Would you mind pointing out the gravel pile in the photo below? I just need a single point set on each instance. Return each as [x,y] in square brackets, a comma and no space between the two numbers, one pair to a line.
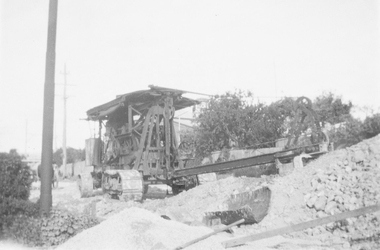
[136,228]
[190,206]
[348,182]
[336,182]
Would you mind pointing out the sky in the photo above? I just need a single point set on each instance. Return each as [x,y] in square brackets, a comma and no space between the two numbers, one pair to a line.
[272,48]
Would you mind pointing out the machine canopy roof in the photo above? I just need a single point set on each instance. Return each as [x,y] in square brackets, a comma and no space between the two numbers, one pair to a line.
[141,101]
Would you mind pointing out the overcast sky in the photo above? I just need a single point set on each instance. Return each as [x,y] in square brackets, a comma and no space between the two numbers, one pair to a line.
[272,48]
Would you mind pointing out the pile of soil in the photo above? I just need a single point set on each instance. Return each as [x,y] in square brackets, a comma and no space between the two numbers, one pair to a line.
[336,182]
[136,228]
[190,206]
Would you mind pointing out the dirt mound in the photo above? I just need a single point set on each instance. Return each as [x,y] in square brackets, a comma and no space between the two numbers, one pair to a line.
[190,206]
[136,228]
[336,182]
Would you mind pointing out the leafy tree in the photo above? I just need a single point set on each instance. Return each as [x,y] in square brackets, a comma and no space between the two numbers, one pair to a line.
[347,134]
[371,126]
[232,120]
[330,108]
[352,131]
[13,155]
[73,155]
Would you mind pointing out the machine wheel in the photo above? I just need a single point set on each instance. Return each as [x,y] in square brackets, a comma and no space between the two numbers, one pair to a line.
[127,184]
[85,185]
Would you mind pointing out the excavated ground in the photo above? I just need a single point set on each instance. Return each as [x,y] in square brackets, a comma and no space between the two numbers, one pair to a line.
[336,182]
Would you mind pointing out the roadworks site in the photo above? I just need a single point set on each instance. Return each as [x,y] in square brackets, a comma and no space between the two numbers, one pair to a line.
[337,182]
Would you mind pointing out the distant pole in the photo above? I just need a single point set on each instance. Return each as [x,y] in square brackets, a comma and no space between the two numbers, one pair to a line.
[48,115]
[26,137]
[64,119]
[275,79]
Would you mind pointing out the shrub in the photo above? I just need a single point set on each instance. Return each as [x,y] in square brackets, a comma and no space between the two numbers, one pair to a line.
[11,208]
[15,182]
[15,178]
[20,219]
[50,230]
[25,230]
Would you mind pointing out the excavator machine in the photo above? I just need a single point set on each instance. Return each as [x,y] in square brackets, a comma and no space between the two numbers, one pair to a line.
[139,145]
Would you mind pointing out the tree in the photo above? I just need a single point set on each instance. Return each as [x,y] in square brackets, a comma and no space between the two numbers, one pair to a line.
[13,155]
[73,155]
[371,126]
[232,120]
[330,108]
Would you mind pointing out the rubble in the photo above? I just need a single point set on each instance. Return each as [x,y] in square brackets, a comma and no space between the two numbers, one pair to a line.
[350,179]
[190,206]
[136,228]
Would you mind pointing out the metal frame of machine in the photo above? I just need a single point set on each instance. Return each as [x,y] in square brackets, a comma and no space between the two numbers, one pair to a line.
[139,139]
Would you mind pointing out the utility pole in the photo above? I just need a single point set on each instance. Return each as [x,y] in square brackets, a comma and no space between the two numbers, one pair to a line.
[26,137]
[64,118]
[48,112]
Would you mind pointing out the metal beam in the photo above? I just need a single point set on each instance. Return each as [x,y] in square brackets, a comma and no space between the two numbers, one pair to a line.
[227,165]
[247,162]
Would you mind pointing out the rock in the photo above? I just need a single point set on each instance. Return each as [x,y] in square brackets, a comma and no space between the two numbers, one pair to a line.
[321,214]
[310,203]
[320,203]
[346,198]
[339,178]
[358,156]
[320,186]
[353,200]
[321,193]
[330,206]
[339,199]
[314,183]
[307,197]
[352,207]
[346,245]
[330,197]
[332,177]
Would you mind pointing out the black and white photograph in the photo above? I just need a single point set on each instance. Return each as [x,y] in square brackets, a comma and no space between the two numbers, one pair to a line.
[189,124]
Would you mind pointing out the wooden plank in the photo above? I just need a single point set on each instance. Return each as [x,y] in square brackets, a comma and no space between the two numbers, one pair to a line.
[208,235]
[301,226]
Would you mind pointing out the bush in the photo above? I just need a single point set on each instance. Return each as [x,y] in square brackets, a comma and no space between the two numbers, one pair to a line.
[15,178]
[15,182]
[20,219]
[50,230]
[353,131]
[25,230]
[11,208]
